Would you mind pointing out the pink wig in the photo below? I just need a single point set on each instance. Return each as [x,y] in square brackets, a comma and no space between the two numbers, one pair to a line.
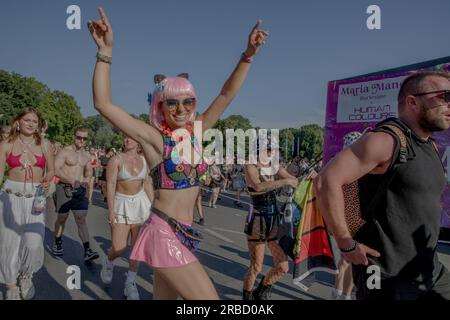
[170,88]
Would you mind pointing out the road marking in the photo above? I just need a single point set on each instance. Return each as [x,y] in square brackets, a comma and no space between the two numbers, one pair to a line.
[101,294]
[226,230]
[218,235]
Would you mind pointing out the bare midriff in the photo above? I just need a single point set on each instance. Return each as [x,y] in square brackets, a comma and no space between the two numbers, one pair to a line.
[178,204]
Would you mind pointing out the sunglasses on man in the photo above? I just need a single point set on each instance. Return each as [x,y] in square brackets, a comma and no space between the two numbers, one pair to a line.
[445,94]
[172,104]
[81,138]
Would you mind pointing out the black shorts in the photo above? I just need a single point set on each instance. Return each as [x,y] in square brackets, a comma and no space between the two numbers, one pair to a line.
[69,198]
[216,183]
[102,176]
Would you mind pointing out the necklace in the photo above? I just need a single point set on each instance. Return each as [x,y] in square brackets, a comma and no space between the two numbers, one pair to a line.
[26,144]
[134,164]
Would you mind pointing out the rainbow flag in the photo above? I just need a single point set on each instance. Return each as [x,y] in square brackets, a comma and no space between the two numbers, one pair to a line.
[312,250]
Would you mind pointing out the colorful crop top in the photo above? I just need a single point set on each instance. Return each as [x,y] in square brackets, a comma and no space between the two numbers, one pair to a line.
[172,173]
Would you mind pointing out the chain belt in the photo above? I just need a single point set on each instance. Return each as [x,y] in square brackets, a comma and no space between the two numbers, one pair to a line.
[18,194]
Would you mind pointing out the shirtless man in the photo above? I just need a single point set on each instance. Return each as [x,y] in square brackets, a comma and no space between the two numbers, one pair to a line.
[73,166]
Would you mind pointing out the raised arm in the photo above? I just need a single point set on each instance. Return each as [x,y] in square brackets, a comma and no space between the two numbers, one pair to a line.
[369,152]
[138,130]
[235,81]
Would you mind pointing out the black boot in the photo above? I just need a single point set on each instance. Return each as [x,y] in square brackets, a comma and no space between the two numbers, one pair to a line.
[247,295]
[262,292]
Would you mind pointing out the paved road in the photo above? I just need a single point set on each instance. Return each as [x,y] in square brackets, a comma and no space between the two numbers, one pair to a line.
[223,253]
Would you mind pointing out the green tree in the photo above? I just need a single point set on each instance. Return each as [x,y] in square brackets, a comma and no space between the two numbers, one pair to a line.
[59,109]
[287,138]
[311,141]
[143,117]
[233,122]
[102,133]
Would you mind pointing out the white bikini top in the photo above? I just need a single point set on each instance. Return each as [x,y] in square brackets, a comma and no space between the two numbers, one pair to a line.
[124,175]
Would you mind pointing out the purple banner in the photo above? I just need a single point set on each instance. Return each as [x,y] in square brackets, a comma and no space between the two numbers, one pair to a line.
[356,104]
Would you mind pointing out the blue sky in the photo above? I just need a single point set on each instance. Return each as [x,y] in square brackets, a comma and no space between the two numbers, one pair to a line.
[310,43]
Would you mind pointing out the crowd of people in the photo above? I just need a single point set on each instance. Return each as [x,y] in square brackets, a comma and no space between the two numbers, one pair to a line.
[151,191]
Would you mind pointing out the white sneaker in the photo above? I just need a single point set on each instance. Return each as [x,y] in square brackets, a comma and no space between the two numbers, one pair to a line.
[131,291]
[335,295]
[26,286]
[107,272]
[13,294]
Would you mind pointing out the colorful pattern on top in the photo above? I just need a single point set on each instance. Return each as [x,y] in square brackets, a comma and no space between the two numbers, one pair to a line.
[172,173]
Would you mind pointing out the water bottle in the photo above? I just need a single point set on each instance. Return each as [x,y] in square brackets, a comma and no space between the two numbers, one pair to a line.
[287,214]
[40,199]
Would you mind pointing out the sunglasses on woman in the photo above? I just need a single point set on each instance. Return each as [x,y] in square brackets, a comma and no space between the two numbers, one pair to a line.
[172,104]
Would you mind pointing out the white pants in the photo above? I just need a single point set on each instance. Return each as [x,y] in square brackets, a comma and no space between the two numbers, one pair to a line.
[132,209]
[21,233]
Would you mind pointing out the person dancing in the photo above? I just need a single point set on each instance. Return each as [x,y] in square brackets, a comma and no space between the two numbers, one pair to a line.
[177,271]
[129,200]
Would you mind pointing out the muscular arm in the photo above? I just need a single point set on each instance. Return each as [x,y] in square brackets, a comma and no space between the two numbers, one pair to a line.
[87,172]
[370,151]
[252,180]
[282,173]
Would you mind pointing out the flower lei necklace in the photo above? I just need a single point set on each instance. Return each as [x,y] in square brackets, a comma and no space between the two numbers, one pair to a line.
[169,133]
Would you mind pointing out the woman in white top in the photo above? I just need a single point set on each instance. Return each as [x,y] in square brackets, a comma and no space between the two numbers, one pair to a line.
[129,195]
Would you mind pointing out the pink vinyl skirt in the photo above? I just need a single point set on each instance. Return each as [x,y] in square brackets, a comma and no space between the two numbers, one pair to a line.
[159,247]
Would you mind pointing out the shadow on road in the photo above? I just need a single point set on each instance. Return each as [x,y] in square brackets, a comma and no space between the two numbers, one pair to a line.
[242,270]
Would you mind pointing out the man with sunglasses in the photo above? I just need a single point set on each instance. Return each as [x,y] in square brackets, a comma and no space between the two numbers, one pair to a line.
[401,179]
[73,166]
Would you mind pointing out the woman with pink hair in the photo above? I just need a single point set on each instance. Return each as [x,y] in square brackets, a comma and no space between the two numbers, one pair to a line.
[166,240]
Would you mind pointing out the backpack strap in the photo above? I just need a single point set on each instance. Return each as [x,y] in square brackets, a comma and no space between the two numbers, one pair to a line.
[401,136]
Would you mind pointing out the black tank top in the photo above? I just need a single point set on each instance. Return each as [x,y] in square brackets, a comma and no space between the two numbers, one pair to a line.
[404,224]
[265,201]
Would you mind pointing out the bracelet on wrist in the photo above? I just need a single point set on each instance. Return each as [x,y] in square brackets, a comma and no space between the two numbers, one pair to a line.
[351,248]
[104,58]
[246,59]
